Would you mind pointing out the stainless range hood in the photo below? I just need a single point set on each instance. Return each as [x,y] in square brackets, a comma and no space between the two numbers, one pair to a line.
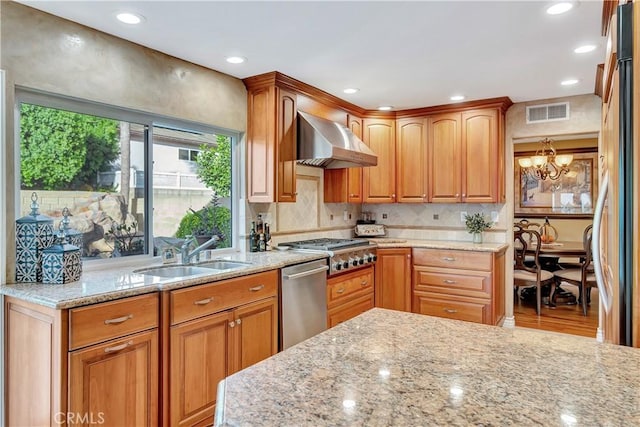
[330,145]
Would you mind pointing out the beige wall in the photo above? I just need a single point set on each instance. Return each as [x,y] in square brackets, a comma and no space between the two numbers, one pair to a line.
[584,121]
[44,52]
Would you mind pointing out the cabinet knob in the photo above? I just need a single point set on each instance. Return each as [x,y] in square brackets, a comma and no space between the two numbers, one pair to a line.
[393,196]
[457,194]
[464,195]
[239,321]
[424,196]
[352,195]
[232,324]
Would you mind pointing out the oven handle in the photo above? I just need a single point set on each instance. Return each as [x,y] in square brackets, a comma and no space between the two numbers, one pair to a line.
[306,273]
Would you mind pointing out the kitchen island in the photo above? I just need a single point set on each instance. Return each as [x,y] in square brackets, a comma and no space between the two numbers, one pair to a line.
[387,368]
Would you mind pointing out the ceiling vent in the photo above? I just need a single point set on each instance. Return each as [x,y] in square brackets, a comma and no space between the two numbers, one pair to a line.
[548,112]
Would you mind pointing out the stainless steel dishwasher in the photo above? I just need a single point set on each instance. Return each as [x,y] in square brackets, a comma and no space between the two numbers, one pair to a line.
[303,302]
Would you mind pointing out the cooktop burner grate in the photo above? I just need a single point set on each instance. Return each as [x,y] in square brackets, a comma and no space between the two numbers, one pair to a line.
[327,244]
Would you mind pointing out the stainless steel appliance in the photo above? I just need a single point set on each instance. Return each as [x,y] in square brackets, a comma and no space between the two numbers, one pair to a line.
[330,145]
[344,254]
[303,302]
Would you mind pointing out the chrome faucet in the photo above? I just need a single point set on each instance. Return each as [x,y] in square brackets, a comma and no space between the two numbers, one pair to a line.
[190,240]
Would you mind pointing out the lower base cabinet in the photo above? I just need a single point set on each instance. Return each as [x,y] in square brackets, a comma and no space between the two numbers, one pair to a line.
[115,383]
[349,294]
[204,350]
[457,284]
[148,360]
[393,279]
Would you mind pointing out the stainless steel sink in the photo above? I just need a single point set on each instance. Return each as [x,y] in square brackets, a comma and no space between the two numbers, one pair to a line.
[175,271]
[223,264]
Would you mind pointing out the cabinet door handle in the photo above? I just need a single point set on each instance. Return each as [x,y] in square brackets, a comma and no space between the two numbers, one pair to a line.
[203,301]
[238,321]
[450,282]
[232,324]
[464,195]
[256,288]
[339,291]
[364,283]
[450,310]
[393,196]
[118,320]
[424,196]
[118,347]
[448,259]
[457,194]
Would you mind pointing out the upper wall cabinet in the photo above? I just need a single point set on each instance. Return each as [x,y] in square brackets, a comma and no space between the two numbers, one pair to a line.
[271,145]
[345,185]
[379,182]
[466,156]
[411,151]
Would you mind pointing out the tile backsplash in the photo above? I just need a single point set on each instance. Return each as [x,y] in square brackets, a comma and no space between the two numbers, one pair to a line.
[309,217]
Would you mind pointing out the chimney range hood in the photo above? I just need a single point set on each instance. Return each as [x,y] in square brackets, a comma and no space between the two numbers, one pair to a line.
[330,145]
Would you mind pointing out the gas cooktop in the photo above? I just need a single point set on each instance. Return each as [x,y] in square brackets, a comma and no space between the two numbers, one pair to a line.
[327,244]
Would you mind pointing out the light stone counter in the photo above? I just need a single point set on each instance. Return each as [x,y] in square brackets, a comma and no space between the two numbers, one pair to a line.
[105,285]
[438,244]
[389,368]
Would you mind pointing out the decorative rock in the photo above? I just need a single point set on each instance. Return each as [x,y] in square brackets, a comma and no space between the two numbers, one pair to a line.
[34,233]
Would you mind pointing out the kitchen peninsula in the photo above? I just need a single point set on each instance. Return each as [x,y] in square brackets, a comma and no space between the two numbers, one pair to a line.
[392,368]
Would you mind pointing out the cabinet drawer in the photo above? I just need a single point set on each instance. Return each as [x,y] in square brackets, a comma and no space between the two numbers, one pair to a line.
[349,286]
[469,309]
[100,322]
[349,310]
[198,301]
[467,260]
[456,282]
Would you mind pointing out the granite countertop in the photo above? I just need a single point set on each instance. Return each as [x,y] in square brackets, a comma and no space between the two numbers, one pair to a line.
[106,285]
[438,244]
[387,368]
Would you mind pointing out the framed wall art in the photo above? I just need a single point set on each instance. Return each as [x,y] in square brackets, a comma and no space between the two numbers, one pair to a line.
[572,195]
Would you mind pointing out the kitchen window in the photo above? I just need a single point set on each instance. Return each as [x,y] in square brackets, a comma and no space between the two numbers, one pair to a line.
[188,155]
[116,171]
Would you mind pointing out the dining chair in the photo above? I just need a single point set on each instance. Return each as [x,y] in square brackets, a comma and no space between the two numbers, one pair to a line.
[547,262]
[526,244]
[583,277]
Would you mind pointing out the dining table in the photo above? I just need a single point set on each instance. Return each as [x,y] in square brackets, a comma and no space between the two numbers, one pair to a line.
[553,252]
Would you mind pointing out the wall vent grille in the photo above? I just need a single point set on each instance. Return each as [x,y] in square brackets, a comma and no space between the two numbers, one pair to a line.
[548,112]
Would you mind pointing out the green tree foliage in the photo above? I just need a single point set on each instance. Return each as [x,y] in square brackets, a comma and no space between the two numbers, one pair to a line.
[61,150]
[214,166]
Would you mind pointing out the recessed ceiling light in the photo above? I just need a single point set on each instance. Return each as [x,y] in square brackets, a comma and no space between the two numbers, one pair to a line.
[457,97]
[385,108]
[236,59]
[129,18]
[351,90]
[560,7]
[585,49]
[569,82]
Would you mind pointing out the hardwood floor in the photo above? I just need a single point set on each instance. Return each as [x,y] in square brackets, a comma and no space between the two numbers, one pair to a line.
[566,319]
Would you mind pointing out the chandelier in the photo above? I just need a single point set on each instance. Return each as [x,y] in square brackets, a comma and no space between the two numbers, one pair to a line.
[546,163]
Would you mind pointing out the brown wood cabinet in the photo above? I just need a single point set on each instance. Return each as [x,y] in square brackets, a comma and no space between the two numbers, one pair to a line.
[466,156]
[411,150]
[457,284]
[271,144]
[57,373]
[393,279]
[116,383]
[345,185]
[349,294]
[379,182]
[218,329]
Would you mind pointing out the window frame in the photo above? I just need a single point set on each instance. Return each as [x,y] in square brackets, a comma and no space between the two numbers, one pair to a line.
[149,120]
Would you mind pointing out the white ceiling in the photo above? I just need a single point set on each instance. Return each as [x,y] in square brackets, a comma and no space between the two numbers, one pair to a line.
[404,54]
